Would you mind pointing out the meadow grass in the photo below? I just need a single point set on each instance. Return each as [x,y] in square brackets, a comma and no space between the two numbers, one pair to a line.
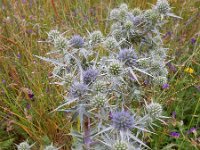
[27,97]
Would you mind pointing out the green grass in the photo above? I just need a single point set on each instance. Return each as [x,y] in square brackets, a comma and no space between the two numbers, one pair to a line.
[23,24]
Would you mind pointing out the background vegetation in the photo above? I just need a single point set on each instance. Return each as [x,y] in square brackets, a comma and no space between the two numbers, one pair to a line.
[27,97]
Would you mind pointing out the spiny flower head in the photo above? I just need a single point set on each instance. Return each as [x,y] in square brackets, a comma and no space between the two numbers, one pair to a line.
[77,41]
[122,15]
[52,35]
[96,37]
[122,120]
[60,43]
[128,56]
[114,14]
[128,25]
[78,89]
[151,15]
[120,145]
[100,86]
[110,43]
[98,101]
[24,146]
[136,11]
[115,68]
[154,110]
[123,6]
[117,34]
[89,75]
[163,6]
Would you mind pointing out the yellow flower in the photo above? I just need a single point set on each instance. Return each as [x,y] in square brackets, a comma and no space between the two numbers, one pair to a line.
[189,70]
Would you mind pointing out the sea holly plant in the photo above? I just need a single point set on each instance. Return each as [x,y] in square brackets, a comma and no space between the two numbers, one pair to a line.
[103,91]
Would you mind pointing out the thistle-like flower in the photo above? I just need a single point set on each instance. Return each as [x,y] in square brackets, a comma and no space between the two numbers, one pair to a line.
[98,101]
[78,89]
[136,11]
[77,41]
[60,43]
[117,34]
[162,6]
[122,120]
[110,43]
[96,37]
[151,16]
[100,86]
[122,15]
[115,68]
[90,75]
[154,110]
[128,25]
[114,14]
[52,35]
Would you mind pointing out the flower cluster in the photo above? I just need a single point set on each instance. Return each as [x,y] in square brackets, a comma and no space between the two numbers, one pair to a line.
[101,88]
